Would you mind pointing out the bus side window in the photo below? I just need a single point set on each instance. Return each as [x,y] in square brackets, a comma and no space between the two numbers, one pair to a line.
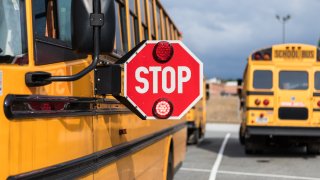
[52,19]
[121,40]
[52,29]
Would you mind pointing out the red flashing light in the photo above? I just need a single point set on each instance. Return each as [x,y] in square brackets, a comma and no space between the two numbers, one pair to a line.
[162,52]
[257,56]
[162,108]
[318,103]
[47,106]
[261,115]
[266,102]
[257,102]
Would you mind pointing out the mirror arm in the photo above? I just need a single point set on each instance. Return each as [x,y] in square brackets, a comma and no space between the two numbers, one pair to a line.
[34,79]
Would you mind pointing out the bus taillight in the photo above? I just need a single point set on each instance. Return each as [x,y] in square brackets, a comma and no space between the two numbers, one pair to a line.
[257,102]
[266,102]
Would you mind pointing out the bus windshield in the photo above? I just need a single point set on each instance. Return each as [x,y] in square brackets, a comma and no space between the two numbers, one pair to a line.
[10,30]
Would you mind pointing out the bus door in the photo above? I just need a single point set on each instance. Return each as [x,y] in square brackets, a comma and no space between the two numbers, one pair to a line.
[294,97]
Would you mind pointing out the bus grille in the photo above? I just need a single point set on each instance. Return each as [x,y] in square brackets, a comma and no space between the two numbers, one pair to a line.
[286,113]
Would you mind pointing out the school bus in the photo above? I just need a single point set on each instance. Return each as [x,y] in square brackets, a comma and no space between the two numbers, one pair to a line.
[197,118]
[281,98]
[53,124]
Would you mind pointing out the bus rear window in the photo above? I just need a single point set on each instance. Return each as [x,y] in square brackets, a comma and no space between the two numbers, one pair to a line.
[262,79]
[293,80]
[317,80]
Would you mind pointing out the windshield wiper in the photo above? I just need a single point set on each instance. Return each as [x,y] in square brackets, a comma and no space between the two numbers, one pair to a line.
[1,51]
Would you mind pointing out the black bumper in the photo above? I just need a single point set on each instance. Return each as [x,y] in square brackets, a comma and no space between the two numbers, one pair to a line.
[283,131]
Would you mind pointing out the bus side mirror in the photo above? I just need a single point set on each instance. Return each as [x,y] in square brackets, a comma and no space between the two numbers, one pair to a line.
[207,91]
[83,20]
[240,87]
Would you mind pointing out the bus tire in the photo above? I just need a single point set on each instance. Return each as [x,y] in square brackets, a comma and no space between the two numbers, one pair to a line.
[170,168]
[241,136]
[313,148]
[249,148]
[195,136]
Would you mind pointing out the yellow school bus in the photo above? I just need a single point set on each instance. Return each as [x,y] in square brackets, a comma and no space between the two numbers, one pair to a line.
[281,98]
[197,119]
[53,123]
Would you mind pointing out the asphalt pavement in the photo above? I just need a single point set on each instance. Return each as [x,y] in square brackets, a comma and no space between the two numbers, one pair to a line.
[220,156]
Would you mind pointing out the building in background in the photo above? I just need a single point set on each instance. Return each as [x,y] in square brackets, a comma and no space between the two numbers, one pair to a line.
[219,87]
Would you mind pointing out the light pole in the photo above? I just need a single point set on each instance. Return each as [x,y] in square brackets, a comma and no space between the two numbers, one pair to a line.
[283,20]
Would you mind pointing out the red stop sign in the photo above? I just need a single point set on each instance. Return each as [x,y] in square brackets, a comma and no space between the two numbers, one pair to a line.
[163,79]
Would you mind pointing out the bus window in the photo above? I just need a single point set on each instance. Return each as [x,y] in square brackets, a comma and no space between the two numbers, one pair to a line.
[290,80]
[317,80]
[52,20]
[11,31]
[262,79]
[121,40]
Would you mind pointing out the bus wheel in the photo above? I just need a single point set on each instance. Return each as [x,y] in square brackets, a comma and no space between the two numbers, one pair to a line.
[241,136]
[170,171]
[249,148]
[194,137]
[313,148]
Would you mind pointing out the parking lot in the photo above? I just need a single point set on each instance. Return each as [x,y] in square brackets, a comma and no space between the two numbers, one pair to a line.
[220,156]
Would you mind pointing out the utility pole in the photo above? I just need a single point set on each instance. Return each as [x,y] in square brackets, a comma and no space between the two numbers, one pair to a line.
[283,20]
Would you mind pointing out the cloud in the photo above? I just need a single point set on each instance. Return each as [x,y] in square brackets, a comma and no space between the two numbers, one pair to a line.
[224,32]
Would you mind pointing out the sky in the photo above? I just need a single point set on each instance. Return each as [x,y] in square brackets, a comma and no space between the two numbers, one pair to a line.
[222,33]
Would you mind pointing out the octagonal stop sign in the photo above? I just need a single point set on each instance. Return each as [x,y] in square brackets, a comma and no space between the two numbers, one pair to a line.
[162,79]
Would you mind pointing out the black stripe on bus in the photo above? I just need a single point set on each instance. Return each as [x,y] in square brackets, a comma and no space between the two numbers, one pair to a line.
[316,110]
[20,106]
[316,94]
[259,108]
[90,163]
[259,93]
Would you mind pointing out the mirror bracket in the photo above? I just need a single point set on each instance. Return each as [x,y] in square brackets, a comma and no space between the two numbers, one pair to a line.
[96,19]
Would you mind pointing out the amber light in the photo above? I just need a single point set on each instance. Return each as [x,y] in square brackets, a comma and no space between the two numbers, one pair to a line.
[266,56]
[266,102]
[257,102]
[162,108]
[162,52]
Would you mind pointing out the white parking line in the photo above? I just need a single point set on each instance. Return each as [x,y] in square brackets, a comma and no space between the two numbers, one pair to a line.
[195,169]
[252,174]
[268,175]
[216,165]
